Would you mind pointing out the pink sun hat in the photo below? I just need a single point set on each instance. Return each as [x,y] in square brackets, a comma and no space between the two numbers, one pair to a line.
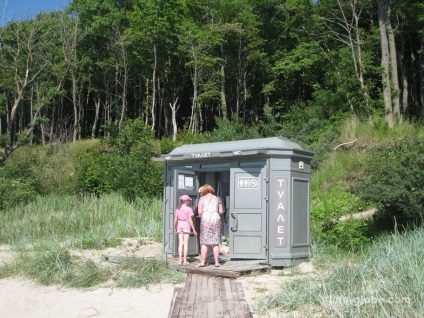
[184,198]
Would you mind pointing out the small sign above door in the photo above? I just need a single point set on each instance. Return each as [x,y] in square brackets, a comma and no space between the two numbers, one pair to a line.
[248,183]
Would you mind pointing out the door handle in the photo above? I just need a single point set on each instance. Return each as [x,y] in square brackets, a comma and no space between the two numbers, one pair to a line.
[235,222]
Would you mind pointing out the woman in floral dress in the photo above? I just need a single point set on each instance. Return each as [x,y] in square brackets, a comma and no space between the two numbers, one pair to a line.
[210,209]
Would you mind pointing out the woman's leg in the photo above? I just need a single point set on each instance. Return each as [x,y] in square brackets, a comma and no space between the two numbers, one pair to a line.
[216,254]
[186,237]
[203,252]
[180,246]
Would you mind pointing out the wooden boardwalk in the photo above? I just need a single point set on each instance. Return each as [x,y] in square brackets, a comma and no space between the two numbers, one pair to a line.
[209,296]
[228,268]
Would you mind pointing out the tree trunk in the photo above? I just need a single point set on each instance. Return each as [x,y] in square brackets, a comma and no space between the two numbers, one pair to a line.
[74,103]
[174,110]
[385,61]
[194,104]
[96,116]
[394,76]
[223,97]
[421,74]
[153,112]
[404,77]
[124,85]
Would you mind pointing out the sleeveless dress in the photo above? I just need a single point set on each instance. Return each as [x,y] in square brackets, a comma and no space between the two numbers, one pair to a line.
[210,223]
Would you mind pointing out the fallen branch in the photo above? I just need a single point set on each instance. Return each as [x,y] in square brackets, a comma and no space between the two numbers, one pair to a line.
[344,144]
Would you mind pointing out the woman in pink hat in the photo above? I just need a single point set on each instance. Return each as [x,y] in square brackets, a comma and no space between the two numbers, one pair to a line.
[183,223]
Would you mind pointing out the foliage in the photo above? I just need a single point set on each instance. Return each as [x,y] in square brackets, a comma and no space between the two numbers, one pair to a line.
[166,145]
[269,126]
[291,68]
[326,210]
[4,140]
[124,164]
[393,180]
[20,165]
[13,192]
[228,130]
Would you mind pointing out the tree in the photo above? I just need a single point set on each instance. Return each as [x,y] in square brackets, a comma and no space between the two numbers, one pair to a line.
[24,54]
[342,21]
[389,64]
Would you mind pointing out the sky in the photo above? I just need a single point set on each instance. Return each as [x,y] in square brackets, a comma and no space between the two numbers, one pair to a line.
[25,9]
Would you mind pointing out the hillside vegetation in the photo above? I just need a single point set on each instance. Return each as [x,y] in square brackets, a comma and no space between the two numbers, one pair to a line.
[90,195]
[367,166]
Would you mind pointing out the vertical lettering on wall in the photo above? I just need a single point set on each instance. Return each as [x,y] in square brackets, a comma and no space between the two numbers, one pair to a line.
[280,211]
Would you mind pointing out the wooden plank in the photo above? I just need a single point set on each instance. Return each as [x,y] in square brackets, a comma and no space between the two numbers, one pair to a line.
[209,296]
[223,297]
[176,307]
[212,272]
[217,297]
[197,305]
[230,298]
[210,289]
[238,299]
[204,291]
[244,308]
[173,311]
[191,295]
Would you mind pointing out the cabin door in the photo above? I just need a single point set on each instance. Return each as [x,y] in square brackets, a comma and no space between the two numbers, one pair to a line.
[248,213]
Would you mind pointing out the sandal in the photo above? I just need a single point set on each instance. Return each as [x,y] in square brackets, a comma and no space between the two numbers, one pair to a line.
[200,265]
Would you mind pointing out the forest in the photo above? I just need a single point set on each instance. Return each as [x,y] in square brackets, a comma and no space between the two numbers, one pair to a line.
[182,67]
[89,95]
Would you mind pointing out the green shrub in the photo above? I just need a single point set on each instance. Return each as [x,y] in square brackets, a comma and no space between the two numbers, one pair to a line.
[228,130]
[166,145]
[394,180]
[20,165]
[13,192]
[328,207]
[54,172]
[4,140]
[122,164]
[352,234]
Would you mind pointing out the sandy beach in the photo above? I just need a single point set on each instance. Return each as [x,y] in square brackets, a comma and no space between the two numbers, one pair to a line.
[23,298]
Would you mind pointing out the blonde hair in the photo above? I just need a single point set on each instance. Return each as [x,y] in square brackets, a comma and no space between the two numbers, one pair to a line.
[206,189]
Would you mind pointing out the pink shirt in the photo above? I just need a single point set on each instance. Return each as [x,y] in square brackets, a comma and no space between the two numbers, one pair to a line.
[183,214]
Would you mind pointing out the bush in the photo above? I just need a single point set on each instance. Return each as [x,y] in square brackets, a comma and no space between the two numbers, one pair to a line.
[166,145]
[327,208]
[13,192]
[394,180]
[123,164]
[4,140]
[227,130]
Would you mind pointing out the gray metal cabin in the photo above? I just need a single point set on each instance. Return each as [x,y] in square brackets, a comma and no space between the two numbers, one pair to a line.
[265,187]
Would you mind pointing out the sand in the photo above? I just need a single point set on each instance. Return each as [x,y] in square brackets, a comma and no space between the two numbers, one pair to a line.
[22,298]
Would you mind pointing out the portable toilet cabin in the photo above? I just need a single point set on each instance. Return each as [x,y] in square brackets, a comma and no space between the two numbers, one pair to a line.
[265,188]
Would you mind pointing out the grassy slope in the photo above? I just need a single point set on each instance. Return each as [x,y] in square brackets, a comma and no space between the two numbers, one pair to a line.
[383,280]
